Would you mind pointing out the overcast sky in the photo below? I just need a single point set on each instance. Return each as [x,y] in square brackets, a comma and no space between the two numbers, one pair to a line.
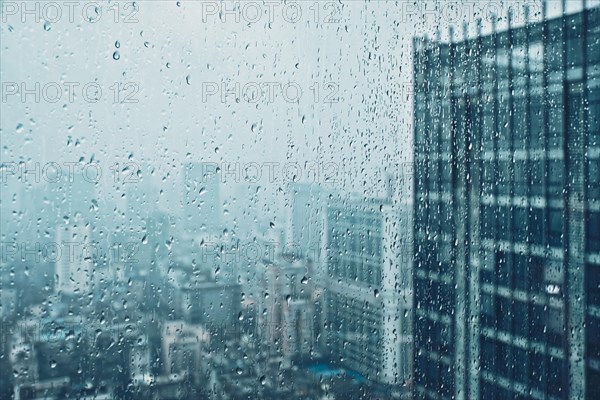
[174,54]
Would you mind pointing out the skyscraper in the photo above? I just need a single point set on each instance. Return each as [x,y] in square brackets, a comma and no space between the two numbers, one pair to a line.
[368,298]
[507,261]
[74,257]
[201,200]
[307,220]
[76,207]
[286,318]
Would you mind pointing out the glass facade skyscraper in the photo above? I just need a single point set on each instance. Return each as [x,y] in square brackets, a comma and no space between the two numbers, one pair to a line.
[507,213]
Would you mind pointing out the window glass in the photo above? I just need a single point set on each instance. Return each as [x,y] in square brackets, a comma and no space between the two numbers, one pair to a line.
[283,199]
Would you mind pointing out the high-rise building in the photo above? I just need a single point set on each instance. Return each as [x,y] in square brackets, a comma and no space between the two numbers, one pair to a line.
[244,210]
[74,257]
[40,207]
[306,218]
[201,200]
[286,316]
[73,195]
[507,217]
[142,198]
[368,299]
[182,345]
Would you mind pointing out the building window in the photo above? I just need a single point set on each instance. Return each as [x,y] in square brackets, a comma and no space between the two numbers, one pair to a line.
[594,116]
[593,232]
[555,178]
[592,279]
[555,326]
[521,225]
[537,223]
[555,228]
[593,180]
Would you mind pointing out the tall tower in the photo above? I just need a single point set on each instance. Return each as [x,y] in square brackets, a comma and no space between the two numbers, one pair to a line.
[506,198]
[75,257]
[307,220]
[368,299]
[201,200]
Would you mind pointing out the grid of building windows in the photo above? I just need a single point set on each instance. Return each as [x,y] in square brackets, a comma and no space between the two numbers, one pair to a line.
[507,242]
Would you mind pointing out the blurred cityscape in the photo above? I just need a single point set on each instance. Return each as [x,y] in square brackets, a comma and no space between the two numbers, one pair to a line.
[196,312]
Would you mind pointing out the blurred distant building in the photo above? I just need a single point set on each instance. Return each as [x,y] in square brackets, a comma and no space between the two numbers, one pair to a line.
[307,219]
[142,197]
[46,359]
[286,312]
[140,364]
[74,194]
[23,356]
[244,209]
[202,210]
[40,206]
[182,344]
[144,224]
[8,299]
[368,323]
[74,257]
[215,305]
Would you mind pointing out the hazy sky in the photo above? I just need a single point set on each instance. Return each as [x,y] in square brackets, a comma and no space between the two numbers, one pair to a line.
[176,53]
